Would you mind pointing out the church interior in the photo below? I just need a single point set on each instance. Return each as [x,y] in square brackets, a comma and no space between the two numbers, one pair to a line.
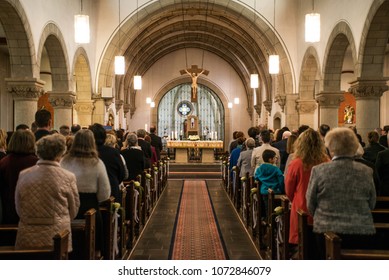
[197,70]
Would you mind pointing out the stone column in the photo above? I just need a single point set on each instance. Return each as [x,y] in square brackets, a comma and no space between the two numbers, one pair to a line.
[99,111]
[62,103]
[367,94]
[291,114]
[25,93]
[306,110]
[84,109]
[329,106]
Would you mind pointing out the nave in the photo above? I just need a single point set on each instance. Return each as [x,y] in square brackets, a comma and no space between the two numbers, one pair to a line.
[157,239]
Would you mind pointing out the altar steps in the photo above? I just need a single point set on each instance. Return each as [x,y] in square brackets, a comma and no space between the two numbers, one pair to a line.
[195,170]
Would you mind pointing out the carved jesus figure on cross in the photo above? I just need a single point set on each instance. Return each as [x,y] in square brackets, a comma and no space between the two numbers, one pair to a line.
[194,73]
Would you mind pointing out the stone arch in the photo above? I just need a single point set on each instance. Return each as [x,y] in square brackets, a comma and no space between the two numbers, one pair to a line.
[20,44]
[181,80]
[53,41]
[374,41]
[158,30]
[338,42]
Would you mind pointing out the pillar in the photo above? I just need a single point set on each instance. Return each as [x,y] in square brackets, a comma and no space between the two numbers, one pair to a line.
[25,93]
[291,114]
[306,110]
[84,110]
[62,103]
[329,102]
[367,95]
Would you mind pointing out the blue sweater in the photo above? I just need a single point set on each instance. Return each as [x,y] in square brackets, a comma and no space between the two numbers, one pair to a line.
[271,177]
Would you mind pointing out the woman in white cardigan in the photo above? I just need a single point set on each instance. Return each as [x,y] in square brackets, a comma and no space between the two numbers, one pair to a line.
[92,179]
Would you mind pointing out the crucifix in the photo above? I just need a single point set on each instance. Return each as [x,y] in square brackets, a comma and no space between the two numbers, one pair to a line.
[194,73]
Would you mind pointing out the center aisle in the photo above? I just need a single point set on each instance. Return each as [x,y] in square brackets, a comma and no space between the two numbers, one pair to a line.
[155,241]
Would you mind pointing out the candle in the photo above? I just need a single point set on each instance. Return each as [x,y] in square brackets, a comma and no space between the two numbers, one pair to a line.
[146,126]
[176,135]
[215,135]
[172,135]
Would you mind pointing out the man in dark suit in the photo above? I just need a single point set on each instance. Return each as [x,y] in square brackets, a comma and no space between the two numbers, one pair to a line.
[111,159]
[382,167]
[146,147]
[156,141]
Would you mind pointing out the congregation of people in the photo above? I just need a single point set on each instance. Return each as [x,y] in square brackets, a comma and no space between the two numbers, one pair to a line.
[330,174]
[48,178]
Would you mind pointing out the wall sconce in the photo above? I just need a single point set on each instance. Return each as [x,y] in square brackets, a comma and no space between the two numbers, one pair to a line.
[312,26]
[81,28]
[152,104]
[229,105]
[236,100]
[148,100]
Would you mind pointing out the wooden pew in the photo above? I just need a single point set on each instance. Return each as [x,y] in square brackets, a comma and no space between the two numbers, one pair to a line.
[306,243]
[8,235]
[245,199]
[84,237]
[285,250]
[107,214]
[58,252]
[334,250]
[273,201]
[128,204]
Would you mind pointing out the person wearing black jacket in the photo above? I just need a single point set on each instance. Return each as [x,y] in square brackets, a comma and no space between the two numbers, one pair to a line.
[156,141]
[146,147]
[111,158]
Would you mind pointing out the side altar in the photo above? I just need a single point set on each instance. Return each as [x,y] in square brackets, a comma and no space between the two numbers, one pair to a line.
[202,150]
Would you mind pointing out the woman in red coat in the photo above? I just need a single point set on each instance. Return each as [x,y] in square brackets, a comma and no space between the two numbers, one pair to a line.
[309,151]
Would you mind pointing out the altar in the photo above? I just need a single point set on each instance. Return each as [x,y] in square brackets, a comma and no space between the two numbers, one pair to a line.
[202,149]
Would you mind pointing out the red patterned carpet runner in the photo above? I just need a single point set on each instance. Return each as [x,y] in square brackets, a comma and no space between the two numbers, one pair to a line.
[196,236]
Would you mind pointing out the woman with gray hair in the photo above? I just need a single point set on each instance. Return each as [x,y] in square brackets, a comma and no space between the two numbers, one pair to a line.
[46,197]
[244,160]
[341,193]
[134,156]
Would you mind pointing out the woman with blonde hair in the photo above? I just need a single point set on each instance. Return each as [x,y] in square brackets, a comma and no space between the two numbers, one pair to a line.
[92,179]
[309,151]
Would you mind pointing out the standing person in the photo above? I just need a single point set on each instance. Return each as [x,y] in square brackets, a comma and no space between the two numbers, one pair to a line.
[92,179]
[383,137]
[309,151]
[64,130]
[341,193]
[156,141]
[43,123]
[154,157]
[46,197]
[382,167]
[244,160]
[145,146]
[74,128]
[133,155]
[20,155]
[256,157]
[111,159]
[373,148]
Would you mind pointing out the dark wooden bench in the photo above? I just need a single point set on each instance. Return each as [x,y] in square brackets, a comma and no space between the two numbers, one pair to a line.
[8,234]
[84,237]
[274,200]
[306,244]
[334,250]
[108,224]
[58,252]
[285,247]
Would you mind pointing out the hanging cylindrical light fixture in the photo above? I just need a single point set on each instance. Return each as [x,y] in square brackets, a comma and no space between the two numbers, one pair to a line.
[230,105]
[119,65]
[81,28]
[152,104]
[137,78]
[236,100]
[254,81]
[137,82]
[148,100]
[274,59]
[312,26]
[274,64]
[120,62]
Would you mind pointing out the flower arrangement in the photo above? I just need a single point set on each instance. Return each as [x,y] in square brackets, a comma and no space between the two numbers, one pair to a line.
[194,137]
